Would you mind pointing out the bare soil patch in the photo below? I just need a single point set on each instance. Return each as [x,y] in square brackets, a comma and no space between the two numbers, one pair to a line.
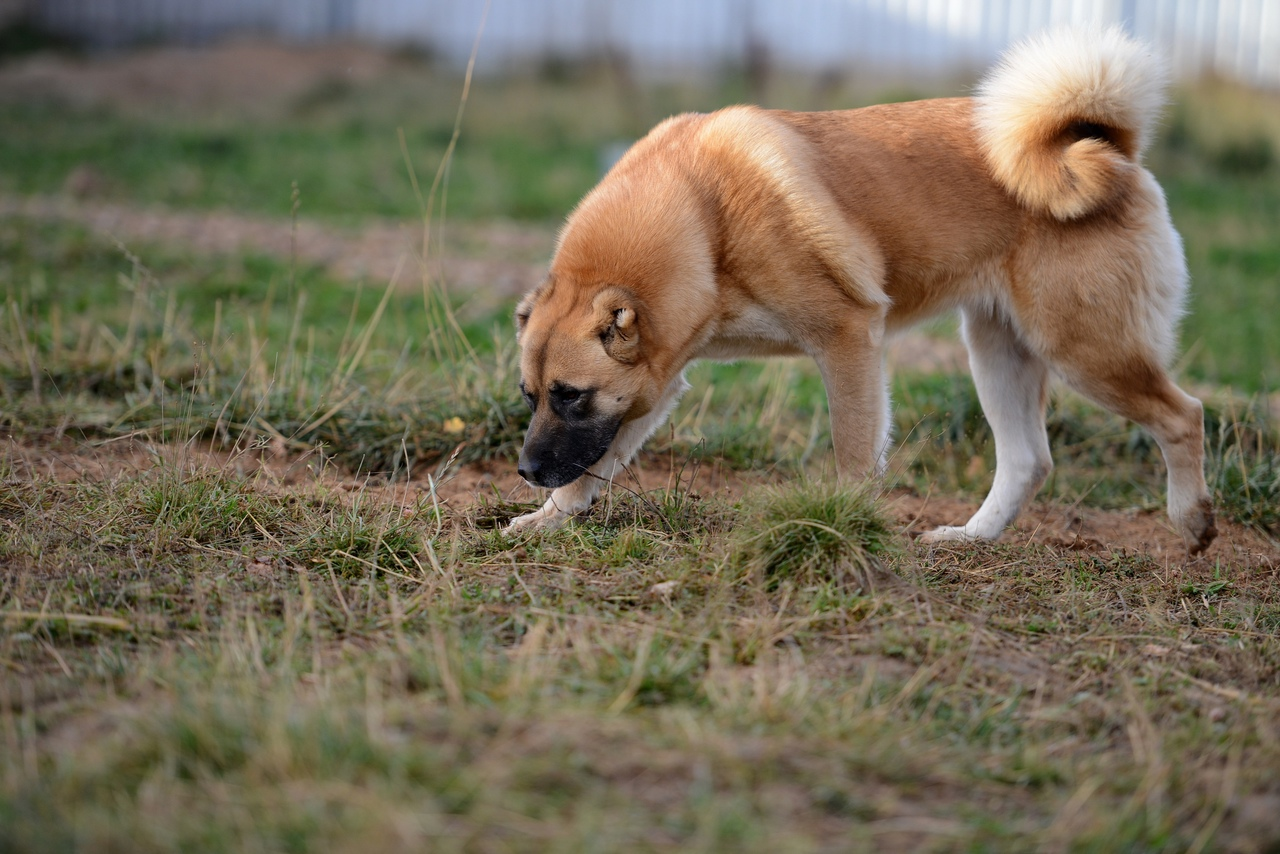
[1064,526]
[1093,530]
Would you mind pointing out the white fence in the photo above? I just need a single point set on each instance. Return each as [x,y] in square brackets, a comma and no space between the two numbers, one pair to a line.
[1235,38]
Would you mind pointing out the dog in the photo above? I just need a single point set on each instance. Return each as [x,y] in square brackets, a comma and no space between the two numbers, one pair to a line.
[749,232]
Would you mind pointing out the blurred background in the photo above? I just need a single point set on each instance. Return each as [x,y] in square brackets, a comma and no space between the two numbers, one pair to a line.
[1236,38]
[230,145]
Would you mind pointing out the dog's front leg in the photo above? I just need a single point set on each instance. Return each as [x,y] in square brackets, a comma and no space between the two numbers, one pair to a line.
[852,368]
[563,502]
[575,497]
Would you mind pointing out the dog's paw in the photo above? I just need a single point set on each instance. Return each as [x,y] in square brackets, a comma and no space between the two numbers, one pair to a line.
[1199,527]
[947,534]
[542,519]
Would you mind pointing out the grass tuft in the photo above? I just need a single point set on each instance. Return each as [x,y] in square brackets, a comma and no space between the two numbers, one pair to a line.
[814,534]
[367,536]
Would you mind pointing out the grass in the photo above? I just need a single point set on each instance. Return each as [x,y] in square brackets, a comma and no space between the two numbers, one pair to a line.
[292,667]
[815,534]
[529,154]
[1217,159]
[244,348]
[246,351]
[239,611]
[1244,466]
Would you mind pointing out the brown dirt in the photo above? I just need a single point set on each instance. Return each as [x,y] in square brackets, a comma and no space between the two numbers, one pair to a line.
[1092,530]
[1066,526]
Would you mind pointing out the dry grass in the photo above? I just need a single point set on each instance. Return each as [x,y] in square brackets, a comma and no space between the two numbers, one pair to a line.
[251,664]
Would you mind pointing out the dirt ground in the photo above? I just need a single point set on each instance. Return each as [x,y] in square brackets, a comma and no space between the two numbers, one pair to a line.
[1067,526]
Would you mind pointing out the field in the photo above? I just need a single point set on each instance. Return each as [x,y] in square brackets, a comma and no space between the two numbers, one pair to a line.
[259,413]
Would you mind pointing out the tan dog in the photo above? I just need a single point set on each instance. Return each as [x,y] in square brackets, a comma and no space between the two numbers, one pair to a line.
[751,232]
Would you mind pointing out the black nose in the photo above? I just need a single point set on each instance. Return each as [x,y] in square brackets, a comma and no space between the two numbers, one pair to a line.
[529,469]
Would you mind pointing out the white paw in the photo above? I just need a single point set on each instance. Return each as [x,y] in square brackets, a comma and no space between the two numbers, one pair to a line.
[952,534]
[545,519]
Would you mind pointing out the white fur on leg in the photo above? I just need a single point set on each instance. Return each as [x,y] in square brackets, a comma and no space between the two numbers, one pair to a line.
[575,497]
[884,428]
[1010,381]
[563,503]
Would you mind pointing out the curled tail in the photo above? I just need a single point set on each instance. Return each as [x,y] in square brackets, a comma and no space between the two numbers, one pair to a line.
[1065,115]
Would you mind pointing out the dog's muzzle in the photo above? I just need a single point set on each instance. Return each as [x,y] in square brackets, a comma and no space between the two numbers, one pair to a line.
[556,454]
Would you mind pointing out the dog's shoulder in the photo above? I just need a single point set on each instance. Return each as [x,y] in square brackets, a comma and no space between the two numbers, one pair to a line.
[769,173]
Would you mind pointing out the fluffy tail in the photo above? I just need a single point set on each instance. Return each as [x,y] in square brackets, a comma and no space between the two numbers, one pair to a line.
[1065,115]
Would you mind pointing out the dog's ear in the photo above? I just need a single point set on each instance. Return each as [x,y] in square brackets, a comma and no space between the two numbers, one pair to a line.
[617,312]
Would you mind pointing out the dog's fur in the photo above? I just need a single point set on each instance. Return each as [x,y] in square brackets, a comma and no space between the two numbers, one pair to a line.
[751,232]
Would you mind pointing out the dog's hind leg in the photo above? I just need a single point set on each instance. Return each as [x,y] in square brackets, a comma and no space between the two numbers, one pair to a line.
[572,498]
[1012,384]
[1142,391]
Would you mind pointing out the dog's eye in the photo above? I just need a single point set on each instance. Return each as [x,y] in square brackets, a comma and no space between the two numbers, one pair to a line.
[529,400]
[568,396]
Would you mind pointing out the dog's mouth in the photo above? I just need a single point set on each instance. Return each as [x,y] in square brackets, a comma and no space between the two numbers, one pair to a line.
[557,454]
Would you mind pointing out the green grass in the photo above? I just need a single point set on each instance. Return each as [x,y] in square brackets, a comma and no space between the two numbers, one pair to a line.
[282,663]
[815,534]
[1218,158]
[1229,225]
[58,269]
[245,349]
[531,149]
[1244,465]
[252,351]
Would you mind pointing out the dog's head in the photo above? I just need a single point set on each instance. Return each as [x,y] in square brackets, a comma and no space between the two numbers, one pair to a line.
[582,376]
[630,284]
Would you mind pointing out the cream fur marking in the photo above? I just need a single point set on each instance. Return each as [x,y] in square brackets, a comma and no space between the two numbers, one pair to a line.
[738,134]
[1046,83]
